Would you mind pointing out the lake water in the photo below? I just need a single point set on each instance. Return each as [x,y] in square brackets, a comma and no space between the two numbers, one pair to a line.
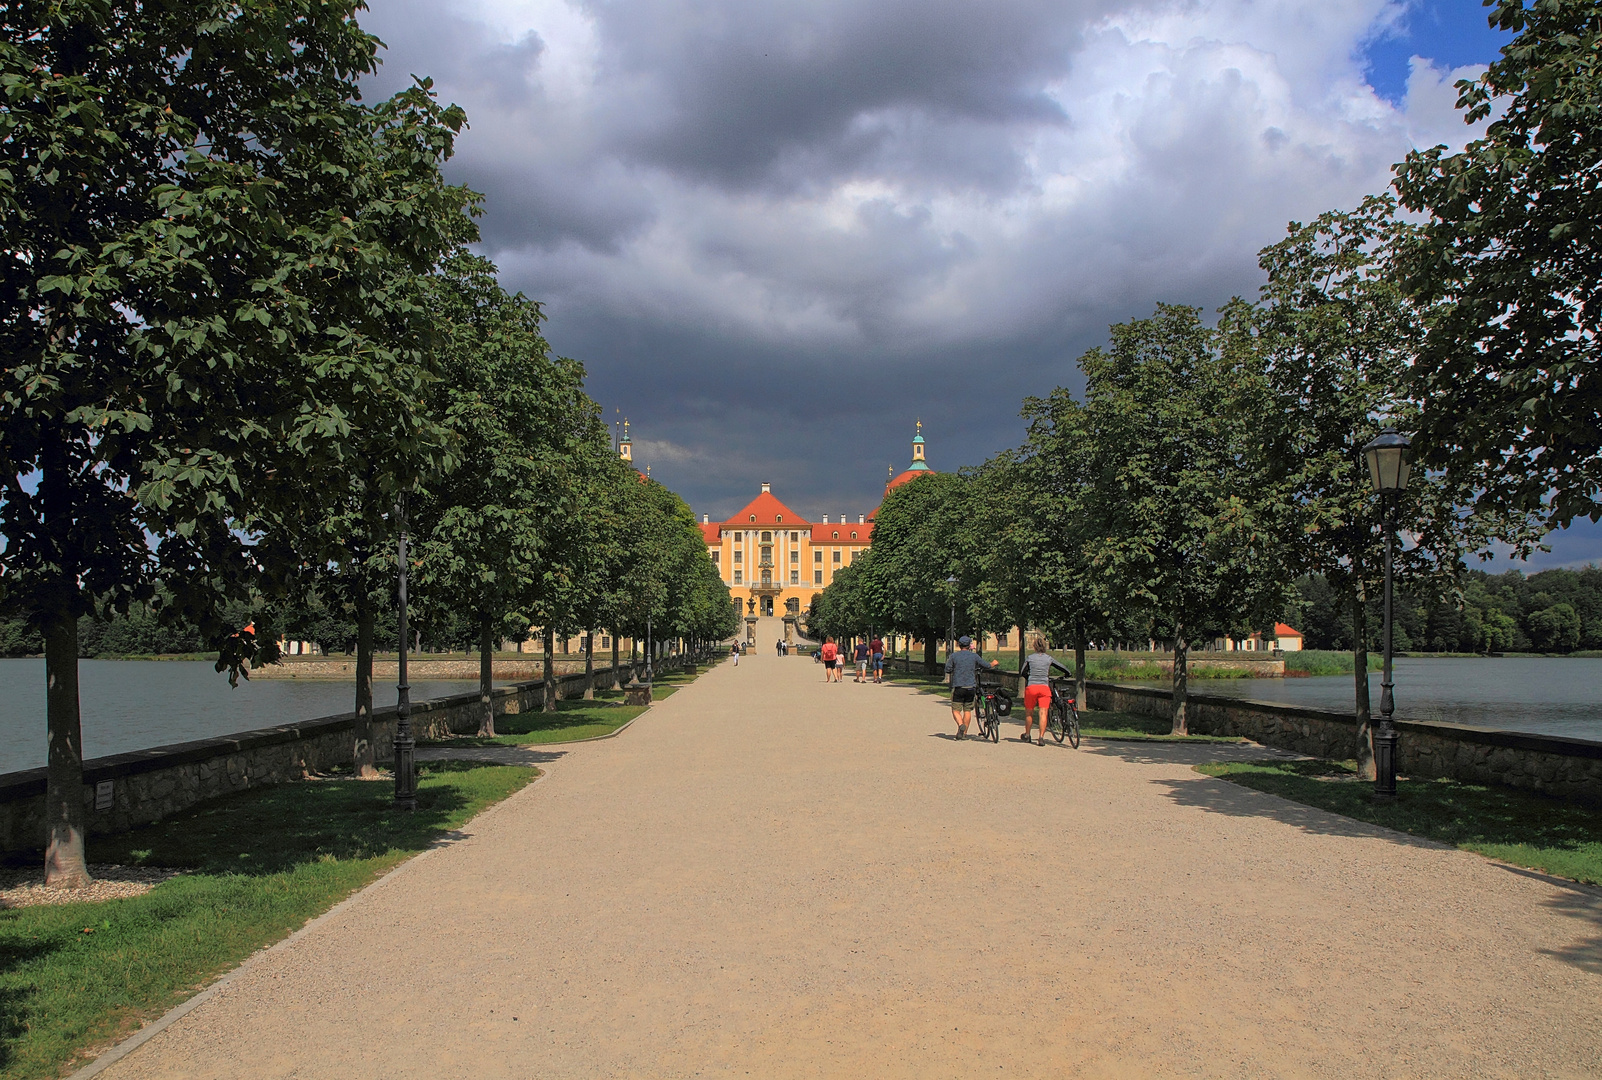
[1548,695]
[136,704]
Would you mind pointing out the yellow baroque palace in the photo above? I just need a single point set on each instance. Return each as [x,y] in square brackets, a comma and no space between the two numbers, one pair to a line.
[775,560]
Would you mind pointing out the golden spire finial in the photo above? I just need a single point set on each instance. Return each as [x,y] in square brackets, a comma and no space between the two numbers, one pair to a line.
[625,429]
[920,427]
[889,472]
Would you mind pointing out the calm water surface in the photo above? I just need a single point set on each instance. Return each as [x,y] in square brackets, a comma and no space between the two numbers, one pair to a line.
[136,704]
[1549,695]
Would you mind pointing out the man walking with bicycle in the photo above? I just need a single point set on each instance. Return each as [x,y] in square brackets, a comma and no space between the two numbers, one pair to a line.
[962,671]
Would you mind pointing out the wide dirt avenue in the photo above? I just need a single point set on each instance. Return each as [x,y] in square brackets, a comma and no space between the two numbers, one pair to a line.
[768,876]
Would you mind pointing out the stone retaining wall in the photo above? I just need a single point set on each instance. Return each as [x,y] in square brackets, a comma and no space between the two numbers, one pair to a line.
[344,670]
[147,785]
[1567,768]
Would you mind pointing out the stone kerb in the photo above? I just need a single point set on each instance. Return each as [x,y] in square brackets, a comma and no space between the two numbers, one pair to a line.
[148,785]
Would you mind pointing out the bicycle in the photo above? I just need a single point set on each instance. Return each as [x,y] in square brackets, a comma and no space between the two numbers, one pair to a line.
[1062,717]
[985,712]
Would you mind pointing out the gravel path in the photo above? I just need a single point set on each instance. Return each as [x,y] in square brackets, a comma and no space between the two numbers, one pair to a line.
[768,876]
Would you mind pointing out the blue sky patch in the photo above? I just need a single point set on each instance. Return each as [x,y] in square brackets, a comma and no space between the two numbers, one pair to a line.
[1449,32]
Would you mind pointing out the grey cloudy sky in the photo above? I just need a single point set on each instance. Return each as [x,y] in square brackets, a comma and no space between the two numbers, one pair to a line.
[778,232]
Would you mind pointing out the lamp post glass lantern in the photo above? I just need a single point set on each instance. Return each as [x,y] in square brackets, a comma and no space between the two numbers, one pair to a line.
[1388,467]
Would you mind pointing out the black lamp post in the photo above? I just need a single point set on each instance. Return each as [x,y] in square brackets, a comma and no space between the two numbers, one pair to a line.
[1388,466]
[648,650]
[405,745]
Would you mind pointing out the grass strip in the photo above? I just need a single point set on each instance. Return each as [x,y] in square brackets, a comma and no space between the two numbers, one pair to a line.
[574,718]
[1522,828]
[1134,727]
[79,976]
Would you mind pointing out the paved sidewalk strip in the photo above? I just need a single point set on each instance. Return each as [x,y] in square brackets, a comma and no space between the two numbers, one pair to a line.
[770,876]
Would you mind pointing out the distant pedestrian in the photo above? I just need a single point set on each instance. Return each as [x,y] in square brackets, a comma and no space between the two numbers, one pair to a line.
[861,655]
[831,656]
[735,652]
[876,657]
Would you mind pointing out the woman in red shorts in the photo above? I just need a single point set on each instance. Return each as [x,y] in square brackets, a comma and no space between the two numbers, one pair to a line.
[1037,688]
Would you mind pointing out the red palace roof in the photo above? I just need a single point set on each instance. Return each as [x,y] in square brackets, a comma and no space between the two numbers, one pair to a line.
[1284,630]
[766,510]
[710,531]
[840,532]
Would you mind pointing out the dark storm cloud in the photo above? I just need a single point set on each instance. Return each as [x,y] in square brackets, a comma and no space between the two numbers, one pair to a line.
[778,233]
[798,94]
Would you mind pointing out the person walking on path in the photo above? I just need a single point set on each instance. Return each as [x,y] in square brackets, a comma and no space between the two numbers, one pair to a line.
[831,656]
[962,670]
[876,653]
[734,651]
[1037,688]
[861,655]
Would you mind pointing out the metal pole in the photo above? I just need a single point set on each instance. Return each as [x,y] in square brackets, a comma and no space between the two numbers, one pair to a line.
[648,648]
[1385,738]
[405,745]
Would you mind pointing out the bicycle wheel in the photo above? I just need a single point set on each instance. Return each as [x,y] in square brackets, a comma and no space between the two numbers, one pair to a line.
[993,721]
[1054,720]
[1073,726]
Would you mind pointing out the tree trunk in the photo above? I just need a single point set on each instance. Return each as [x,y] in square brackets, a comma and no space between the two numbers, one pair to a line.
[617,679]
[64,810]
[1181,682]
[1365,725]
[634,662]
[589,665]
[1023,652]
[363,757]
[549,688]
[486,677]
[929,647]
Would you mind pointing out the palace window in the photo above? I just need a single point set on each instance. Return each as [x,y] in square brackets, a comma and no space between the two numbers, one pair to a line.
[737,555]
[836,554]
[715,555]
[737,577]
[795,538]
[753,517]
[767,538]
[778,519]
[817,556]
[837,534]
[606,642]
[817,577]
[853,534]
[795,577]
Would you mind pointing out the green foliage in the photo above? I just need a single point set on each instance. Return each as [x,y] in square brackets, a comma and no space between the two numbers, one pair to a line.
[1518,827]
[1510,264]
[263,863]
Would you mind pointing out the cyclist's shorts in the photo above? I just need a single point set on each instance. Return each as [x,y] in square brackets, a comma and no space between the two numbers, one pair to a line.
[1035,696]
[962,695]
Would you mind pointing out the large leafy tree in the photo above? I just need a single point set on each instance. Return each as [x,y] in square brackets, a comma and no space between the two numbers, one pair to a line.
[202,224]
[917,548]
[1510,263]
[1338,335]
[1184,507]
